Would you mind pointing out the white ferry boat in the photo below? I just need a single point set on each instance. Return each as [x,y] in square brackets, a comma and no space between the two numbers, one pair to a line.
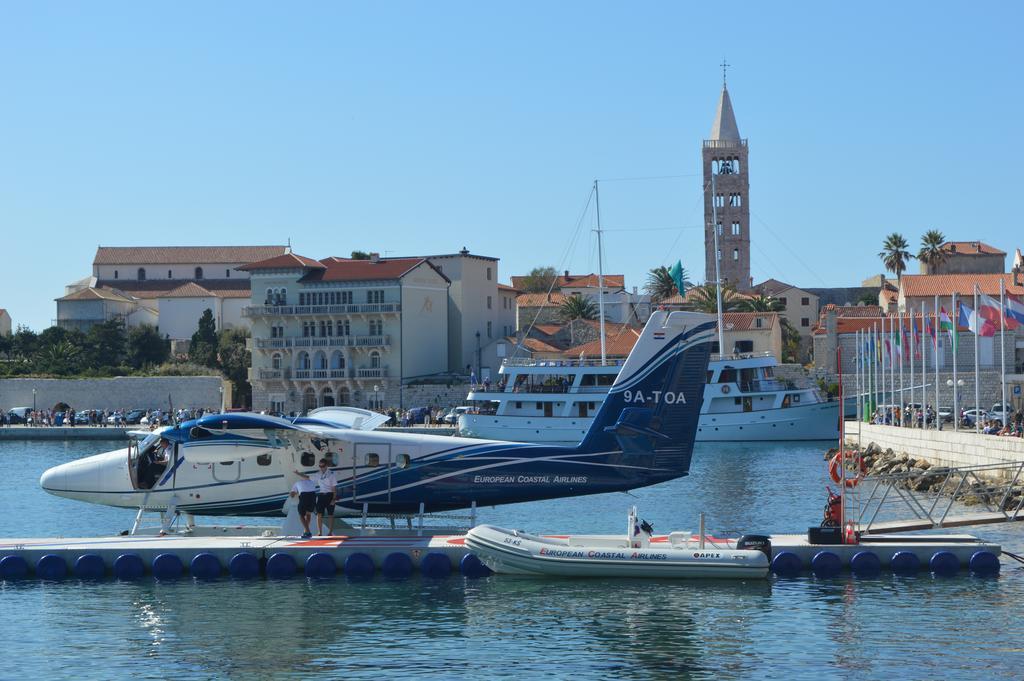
[554,400]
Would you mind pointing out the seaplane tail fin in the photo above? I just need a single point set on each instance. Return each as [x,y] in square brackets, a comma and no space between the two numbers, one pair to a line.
[654,404]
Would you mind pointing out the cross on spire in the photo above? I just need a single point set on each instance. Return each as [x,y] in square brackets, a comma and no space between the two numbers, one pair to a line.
[724,66]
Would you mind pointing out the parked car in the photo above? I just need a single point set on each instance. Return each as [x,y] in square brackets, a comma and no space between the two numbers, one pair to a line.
[453,415]
[19,415]
[946,414]
[999,410]
[973,415]
[81,418]
[418,415]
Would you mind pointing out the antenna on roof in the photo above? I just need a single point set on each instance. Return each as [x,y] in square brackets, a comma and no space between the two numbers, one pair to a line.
[288,248]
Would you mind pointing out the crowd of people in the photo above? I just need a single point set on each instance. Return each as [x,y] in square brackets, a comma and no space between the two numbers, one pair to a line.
[912,416]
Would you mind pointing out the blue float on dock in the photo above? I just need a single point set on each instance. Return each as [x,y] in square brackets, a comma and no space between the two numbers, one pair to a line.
[210,553]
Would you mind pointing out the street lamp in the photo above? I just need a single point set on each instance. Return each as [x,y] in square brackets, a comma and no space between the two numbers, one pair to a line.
[376,403]
[956,400]
[220,389]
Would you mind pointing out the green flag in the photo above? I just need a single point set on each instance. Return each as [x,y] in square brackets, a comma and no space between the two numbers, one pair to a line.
[677,276]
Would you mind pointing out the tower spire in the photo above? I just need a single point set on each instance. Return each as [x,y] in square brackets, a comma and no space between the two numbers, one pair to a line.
[724,66]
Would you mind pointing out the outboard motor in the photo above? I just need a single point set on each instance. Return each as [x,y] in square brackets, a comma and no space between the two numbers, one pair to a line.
[756,542]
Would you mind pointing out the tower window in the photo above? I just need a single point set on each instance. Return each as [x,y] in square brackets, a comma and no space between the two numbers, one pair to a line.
[735,200]
[735,254]
[735,229]
[719,229]
[719,200]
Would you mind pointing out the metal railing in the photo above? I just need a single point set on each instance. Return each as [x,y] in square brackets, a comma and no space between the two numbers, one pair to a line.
[376,341]
[359,308]
[560,363]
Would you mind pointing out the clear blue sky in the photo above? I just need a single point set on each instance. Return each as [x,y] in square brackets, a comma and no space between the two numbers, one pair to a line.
[417,128]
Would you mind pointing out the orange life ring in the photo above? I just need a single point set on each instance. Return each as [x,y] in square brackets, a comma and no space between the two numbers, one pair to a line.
[852,480]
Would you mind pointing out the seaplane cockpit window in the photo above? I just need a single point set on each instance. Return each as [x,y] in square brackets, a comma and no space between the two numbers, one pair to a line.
[372,459]
[307,459]
[263,460]
[403,460]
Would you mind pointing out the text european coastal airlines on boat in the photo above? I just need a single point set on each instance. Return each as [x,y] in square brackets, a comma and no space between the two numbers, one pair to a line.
[244,464]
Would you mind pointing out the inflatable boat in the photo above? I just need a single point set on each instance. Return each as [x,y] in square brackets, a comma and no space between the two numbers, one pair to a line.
[677,555]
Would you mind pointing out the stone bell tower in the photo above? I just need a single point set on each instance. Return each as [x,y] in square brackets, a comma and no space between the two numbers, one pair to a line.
[727,208]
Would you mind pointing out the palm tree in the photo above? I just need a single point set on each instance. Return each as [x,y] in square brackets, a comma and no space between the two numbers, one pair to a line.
[894,254]
[578,307]
[704,298]
[760,303]
[660,284]
[931,253]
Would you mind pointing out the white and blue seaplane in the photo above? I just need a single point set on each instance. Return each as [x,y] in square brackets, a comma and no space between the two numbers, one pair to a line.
[243,464]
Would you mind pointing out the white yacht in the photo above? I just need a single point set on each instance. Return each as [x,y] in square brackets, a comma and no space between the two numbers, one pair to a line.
[554,400]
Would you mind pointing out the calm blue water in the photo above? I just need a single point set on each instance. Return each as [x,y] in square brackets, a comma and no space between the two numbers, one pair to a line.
[502,627]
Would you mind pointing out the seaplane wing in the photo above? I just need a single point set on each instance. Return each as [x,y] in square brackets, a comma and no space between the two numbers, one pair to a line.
[237,437]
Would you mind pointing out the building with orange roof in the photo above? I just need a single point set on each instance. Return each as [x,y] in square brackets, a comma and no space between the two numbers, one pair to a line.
[165,286]
[620,305]
[918,289]
[968,257]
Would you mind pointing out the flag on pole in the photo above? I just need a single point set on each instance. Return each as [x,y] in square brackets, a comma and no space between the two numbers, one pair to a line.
[991,311]
[1014,308]
[975,322]
[946,324]
[917,335]
[928,328]
[677,276]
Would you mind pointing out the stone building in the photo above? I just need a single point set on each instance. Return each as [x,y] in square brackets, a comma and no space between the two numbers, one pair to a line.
[727,207]
[968,257]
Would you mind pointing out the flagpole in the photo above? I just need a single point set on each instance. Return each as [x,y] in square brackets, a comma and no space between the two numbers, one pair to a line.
[1002,346]
[892,364]
[876,359]
[924,369]
[935,359]
[913,340]
[857,358]
[881,360]
[900,332]
[977,387]
[952,344]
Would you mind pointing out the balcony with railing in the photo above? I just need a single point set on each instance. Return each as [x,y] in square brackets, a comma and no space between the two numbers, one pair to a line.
[273,374]
[322,374]
[376,341]
[283,310]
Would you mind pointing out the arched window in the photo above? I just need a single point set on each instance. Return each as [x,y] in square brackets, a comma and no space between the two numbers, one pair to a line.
[327,398]
[303,360]
[275,361]
[199,273]
[142,274]
[309,400]
[343,397]
[321,361]
[337,360]
[270,297]
[375,360]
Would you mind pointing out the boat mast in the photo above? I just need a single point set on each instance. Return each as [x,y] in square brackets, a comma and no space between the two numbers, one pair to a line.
[718,276]
[600,272]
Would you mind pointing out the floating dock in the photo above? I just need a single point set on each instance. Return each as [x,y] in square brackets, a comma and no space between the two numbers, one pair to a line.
[246,552]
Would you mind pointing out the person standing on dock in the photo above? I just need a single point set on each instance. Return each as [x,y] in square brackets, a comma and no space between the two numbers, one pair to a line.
[305,490]
[326,496]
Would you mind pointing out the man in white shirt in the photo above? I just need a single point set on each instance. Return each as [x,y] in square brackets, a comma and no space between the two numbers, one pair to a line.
[327,483]
[305,489]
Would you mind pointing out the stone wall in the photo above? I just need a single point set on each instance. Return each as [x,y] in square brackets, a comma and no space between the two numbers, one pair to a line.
[129,392]
[942,448]
[435,395]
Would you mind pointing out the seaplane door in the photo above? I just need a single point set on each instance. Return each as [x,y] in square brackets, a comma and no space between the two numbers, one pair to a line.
[368,459]
[227,471]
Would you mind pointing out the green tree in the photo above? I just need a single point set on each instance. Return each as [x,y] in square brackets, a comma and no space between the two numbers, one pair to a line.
[235,361]
[360,255]
[5,346]
[868,298]
[895,255]
[704,298]
[61,358]
[578,307]
[931,253]
[146,347]
[540,280]
[24,343]
[203,348]
[105,345]
[760,303]
[790,342]
[660,284]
